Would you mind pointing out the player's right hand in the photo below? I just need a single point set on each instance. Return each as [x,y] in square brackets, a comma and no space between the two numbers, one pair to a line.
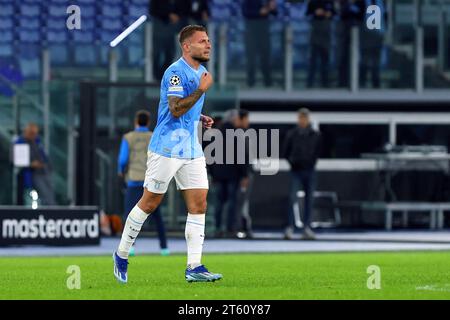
[206,81]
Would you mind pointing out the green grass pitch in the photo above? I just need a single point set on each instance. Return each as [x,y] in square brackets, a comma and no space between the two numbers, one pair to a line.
[405,275]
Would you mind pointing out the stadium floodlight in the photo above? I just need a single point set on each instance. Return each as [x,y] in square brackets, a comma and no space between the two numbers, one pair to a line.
[128,30]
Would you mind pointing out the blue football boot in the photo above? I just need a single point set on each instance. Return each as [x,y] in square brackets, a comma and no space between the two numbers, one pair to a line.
[120,268]
[201,274]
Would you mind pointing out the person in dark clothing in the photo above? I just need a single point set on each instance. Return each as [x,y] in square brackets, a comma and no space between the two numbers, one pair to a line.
[351,13]
[302,149]
[132,164]
[38,175]
[246,183]
[229,178]
[168,17]
[257,38]
[199,13]
[321,13]
[371,47]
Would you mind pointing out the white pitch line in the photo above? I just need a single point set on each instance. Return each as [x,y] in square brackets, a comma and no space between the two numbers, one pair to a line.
[128,30]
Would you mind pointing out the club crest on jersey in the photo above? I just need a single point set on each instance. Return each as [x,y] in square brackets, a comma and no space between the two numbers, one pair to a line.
[158,184]
[175,80]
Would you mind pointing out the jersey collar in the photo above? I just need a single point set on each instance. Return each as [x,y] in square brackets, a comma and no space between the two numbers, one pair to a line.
[185,62]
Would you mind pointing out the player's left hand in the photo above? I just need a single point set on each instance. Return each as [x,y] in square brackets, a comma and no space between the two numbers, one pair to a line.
[207,122]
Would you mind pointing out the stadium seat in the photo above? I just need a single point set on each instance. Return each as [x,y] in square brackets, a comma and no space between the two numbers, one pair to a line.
[6,50]
[9,68]
[7,36]
[135,11]
[57,10]
[57,36]
[84,36]
[30,36]
[56,23]
[134,45]
[89,11]
[29,60]
[88,23]
[107,36]
[30,10]
[7,10]
[59,54]
[111,25]
[29,23]
[83,2]
[85,55]
[136,38]
[140,2]
[112,11]
[6,23]
[85,51]
[135,55]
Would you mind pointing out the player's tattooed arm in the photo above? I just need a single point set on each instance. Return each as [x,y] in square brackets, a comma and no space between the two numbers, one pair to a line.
[179,106]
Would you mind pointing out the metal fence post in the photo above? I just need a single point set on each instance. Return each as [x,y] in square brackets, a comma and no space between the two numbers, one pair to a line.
[71,146]
[45,90]
[390,22]
[392,132]
[354,59]
[212,38]
[148,58]
[442,44]
[113,75]
[288,63]
[223,55]
[419,66]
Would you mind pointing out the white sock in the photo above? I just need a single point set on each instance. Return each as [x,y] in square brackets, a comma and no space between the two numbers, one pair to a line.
[195,235]
[135,220]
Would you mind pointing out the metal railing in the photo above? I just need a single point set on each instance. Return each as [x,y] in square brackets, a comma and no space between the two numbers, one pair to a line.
[103,182]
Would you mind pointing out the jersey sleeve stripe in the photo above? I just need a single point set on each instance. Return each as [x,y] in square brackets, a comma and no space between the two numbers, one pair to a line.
[175,94]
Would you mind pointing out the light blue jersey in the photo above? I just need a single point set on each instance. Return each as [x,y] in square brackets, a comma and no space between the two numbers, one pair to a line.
[177,137]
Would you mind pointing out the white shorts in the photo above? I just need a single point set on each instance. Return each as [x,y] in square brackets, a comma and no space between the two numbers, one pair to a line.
[188,173]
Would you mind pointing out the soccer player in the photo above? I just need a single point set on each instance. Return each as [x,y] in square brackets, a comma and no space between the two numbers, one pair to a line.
[174,151]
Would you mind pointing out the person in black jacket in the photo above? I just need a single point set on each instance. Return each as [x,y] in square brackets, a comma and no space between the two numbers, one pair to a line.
[371,42]
[230,178]
[168,17]
[301,149]
[351,14]
[321,13]
[199,12]
[257,38]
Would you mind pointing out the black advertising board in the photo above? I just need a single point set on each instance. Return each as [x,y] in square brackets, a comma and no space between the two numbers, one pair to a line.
[53,226]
